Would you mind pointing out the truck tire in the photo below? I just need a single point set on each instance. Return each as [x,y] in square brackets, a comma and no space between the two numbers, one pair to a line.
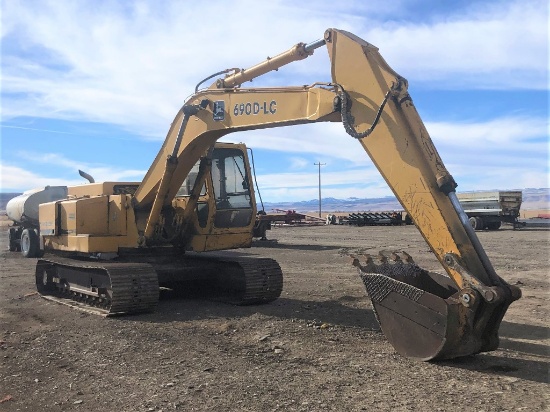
[30,246]
[493,225]
[12,240]
[476,222]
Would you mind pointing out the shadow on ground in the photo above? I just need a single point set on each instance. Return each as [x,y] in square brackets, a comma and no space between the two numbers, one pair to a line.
[512,368]
[340,313]
[333,312]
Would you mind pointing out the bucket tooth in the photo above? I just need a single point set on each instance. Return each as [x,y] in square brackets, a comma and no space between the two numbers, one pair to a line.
[382,258]
[367,266]
[408,258]
[395,257]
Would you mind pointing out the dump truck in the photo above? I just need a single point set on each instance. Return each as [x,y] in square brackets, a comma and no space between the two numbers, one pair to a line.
[109,246]
[489,209]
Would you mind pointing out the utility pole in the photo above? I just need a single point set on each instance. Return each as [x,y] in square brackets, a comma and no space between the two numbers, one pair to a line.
[319,164]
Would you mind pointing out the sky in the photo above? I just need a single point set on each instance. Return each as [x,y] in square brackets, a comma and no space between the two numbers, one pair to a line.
[94,85]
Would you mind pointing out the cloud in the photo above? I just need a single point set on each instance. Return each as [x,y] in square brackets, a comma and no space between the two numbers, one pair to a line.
[354,177]
[59,171]
[291,194]
[512,141]
[505,152]
[509,176]
[492,45]
[454,140]
[16,179]
[358,182]
[512,130]
[298,163]
[133,64]
[324,140]
[496,153]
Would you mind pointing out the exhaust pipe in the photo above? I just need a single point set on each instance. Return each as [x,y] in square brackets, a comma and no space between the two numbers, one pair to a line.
[86,176]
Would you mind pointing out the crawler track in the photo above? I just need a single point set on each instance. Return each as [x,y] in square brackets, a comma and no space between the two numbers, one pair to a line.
[116,288]
[249,281]
[101,287]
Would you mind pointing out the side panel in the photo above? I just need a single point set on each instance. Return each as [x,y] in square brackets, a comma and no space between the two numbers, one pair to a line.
[48,216]
[117,215]
[89,225]
[67,217]
[91,216]
[78,220]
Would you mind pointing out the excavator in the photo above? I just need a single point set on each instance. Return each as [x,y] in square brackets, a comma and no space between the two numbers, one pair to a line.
[109,246]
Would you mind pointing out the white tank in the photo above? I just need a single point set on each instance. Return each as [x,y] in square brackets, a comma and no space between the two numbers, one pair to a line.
[24,208]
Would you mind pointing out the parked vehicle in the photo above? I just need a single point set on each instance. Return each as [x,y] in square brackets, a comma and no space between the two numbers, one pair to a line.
[489,209]
[24,234]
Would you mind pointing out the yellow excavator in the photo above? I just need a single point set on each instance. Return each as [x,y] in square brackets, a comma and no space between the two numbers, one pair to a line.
[108,246]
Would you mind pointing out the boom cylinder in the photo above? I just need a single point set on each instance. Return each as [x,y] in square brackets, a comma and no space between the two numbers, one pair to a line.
[298,52]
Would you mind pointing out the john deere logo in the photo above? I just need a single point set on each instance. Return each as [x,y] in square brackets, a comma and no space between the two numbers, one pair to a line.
[219,110]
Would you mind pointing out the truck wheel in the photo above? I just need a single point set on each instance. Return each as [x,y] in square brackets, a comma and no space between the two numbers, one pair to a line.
[29,243]
[480,224]
[476,222]
[12,240]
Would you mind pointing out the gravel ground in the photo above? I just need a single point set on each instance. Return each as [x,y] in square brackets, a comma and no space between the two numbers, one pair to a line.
[316,348]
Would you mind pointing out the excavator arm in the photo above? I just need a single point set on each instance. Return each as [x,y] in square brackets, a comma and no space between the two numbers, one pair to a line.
[424,315]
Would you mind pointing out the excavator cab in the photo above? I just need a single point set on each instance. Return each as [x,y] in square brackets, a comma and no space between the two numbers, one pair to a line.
[225,209]
[231,189]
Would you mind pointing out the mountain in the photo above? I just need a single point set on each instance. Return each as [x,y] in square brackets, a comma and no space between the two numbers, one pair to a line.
[536,198]
[532,199]
[5,198]
[338,205]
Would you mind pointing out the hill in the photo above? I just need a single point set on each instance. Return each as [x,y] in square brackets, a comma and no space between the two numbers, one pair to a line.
[532,199]
[5,198]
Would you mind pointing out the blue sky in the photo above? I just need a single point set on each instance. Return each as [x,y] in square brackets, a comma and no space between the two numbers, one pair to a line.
[94,85]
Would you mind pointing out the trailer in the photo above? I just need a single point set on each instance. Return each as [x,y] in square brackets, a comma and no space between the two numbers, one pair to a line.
[489,209]
[391,218]
[289,217]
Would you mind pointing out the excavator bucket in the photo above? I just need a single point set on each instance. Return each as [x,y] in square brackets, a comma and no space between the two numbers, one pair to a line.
[424,315]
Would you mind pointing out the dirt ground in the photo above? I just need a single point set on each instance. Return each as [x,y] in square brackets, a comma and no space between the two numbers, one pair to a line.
[316,348]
